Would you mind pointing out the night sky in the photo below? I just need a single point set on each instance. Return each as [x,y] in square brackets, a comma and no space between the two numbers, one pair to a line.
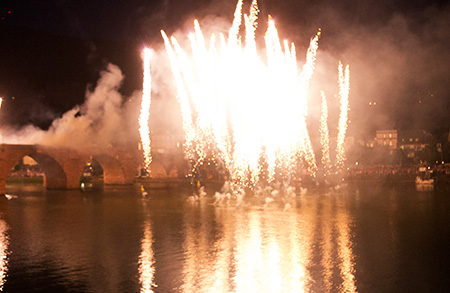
[53,51]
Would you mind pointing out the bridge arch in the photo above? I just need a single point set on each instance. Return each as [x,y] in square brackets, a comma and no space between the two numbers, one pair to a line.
[113,171]
[169,166]
[55,176]
[61,171]
[158,169]
[10,155]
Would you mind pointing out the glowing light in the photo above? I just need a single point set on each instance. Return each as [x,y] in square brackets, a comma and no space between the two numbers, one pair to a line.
[327,245]
[233,115]
[347,264]
[145,111]
[344,88]
[147,260]
[241,107]
[4,259]
[325,137]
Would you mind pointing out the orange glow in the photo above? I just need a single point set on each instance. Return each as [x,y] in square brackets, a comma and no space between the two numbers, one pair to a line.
[344,88]
[4,243]
[240,106]
[325,136]
[144,130]
[242,103]
[345,253]
[146,260]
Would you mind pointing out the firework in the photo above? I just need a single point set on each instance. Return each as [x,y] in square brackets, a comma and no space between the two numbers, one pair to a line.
[344,86]
[241,108]
[325,136]
[144,130]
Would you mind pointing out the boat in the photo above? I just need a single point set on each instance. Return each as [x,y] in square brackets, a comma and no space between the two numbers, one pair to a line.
[424,179]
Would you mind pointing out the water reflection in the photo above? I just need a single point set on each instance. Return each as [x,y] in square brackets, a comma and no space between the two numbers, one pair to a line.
[345,251]
[4,242]
[196,245]
[255,249]
[223,251]
[147,259]
[367,238]
[248,254]
[326,247]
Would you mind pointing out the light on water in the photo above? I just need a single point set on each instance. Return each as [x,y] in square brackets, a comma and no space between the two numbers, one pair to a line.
[247,111]
[4,249]
[266,249]
[362,238]
[146,260]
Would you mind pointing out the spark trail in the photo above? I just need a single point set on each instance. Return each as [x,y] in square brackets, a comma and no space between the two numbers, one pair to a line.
[344,86]
[144,130]
[325,137]
[236,104]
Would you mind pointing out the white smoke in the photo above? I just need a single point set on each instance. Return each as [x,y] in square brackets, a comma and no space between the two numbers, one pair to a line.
[101,121]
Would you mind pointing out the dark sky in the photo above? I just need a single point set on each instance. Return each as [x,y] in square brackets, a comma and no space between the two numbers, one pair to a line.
[397,51]
[134,19]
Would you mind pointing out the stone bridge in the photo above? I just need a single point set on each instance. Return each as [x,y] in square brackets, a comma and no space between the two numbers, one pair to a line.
[63,167]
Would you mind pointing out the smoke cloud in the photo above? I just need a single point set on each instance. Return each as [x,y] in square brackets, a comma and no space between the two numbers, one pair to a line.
[103,120]
[398,59]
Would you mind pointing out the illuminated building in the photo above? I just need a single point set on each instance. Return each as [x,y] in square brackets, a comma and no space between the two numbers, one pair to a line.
[387,138]
[414,141]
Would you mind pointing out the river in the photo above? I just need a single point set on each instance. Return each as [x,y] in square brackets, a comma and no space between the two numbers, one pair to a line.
[362,238]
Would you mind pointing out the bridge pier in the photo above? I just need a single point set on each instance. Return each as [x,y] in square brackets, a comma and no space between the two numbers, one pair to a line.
[2,185]
[9,156]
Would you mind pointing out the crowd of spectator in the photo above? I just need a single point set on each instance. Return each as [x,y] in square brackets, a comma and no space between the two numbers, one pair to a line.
[383,172]
[396,172]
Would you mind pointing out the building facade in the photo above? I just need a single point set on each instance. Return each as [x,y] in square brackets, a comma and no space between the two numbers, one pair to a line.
[388,138]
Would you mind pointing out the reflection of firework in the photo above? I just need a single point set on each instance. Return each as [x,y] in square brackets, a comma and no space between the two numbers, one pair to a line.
[235,106]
